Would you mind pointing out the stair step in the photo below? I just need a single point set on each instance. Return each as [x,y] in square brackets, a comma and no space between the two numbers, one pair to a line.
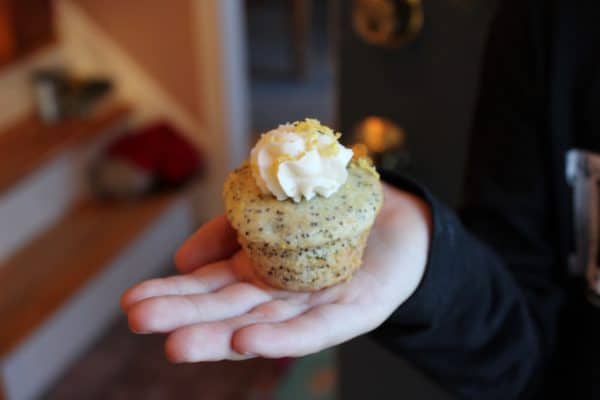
[62,292]
[38,278]
[43,170]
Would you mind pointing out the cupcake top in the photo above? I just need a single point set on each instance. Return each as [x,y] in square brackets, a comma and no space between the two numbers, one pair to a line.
[260,217]
[301,188]
[300,160]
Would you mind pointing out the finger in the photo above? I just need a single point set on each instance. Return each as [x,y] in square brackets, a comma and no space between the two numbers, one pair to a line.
[203,280]
[204,342]
[317,329]
[167,313]
[214,241]
[213,341]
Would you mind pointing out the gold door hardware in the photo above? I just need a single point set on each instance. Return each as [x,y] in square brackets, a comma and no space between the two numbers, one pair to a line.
[387,23]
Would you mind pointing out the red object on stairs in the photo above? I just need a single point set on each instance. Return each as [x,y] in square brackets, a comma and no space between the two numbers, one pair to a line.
[161,151]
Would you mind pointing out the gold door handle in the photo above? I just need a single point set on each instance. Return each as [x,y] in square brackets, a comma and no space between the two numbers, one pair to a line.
[387,23]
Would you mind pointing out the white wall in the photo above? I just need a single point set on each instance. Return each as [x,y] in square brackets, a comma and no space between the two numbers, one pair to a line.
[220,45]
[90,51]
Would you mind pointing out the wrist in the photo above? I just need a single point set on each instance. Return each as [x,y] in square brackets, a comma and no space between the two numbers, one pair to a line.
[410,219]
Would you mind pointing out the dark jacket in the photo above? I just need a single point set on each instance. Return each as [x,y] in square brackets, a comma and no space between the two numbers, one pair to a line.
[496,315]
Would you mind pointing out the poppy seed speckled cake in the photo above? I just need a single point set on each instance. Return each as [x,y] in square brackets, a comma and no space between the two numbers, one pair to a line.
[303,207]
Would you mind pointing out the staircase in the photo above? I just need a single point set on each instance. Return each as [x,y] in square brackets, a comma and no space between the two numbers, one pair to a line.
[66,257]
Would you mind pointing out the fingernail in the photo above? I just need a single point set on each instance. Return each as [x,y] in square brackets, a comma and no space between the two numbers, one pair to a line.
[138,331]
[242,356]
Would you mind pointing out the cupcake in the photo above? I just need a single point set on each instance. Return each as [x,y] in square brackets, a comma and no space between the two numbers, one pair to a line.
[303,207]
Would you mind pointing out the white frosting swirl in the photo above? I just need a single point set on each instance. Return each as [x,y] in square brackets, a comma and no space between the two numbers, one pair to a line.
[300,160]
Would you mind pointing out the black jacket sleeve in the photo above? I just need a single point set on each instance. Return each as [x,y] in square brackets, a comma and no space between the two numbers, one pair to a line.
[483,319]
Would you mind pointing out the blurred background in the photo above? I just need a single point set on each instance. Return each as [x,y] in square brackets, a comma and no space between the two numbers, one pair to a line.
[119,121]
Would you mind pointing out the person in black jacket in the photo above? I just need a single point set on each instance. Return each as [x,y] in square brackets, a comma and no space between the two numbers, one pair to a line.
[481,302]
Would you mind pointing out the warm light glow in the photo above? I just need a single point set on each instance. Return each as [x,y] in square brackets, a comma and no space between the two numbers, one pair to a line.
[378,134]
[374,134]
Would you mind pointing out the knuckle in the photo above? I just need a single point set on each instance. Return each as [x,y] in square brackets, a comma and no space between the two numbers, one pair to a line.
[277,310]
[269,311]
[246,290]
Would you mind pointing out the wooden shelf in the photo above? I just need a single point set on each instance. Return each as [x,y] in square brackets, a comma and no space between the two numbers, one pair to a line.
[40,277]
[31,142]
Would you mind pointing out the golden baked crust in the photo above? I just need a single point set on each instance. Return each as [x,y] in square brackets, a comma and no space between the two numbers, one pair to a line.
[308,268]
[307,245]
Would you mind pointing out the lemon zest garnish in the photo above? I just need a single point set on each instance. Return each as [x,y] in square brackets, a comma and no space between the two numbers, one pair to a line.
[367,164]
[330,150]
[311,129]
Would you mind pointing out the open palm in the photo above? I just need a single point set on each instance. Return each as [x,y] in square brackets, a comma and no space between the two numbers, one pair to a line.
[218,309]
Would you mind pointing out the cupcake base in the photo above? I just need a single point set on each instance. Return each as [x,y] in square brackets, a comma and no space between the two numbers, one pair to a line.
[307,268]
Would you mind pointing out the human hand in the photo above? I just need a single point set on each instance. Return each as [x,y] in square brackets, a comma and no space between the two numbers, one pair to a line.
[220,310]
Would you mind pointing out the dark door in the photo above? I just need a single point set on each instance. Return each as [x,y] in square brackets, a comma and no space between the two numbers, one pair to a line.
[428,87]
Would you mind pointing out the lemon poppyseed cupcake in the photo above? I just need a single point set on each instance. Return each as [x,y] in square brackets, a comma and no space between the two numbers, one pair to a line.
[302,207]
